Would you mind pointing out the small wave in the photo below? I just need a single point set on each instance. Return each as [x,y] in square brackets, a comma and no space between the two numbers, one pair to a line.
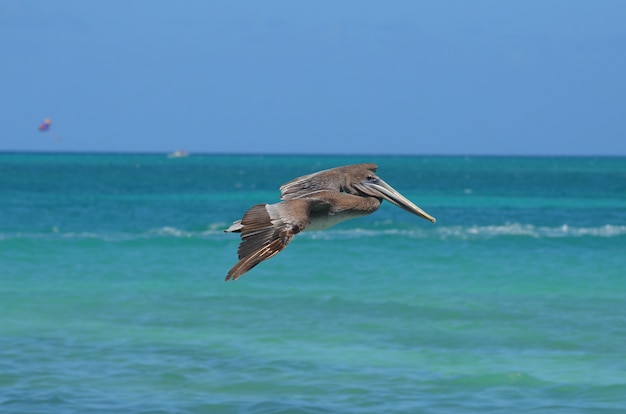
[478,232]
[212,231]
[215,231]
[171,232]
[530,230]
[55,235]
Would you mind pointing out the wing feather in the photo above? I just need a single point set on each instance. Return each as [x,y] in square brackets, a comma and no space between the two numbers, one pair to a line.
[266,229]
[332,179]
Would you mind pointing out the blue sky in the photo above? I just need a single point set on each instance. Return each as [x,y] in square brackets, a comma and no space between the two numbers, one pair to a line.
[342,77]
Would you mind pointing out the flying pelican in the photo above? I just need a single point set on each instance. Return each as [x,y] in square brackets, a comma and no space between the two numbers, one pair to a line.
[313,202]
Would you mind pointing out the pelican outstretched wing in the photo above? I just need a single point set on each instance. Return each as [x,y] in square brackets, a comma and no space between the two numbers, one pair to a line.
[326,180]
[266,229]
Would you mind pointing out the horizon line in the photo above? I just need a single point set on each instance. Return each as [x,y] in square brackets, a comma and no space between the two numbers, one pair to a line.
[300,154]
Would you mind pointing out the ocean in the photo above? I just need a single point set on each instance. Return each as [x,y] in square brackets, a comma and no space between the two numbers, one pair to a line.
[113,300]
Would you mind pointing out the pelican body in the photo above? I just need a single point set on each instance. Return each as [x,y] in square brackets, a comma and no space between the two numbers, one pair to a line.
[312,202]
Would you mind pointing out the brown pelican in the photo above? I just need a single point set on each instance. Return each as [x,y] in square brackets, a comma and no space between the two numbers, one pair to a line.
[312,202]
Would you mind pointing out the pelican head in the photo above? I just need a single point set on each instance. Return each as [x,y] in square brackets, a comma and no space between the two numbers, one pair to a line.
[364,181]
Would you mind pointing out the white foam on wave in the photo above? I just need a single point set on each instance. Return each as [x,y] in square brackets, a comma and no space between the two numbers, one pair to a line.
[55,235]
[211,231]
[116,236]
[216,232]
[170,232]
[530,230]
[478,232]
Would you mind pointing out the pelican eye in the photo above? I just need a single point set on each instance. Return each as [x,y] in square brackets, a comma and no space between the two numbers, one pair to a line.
[372,179]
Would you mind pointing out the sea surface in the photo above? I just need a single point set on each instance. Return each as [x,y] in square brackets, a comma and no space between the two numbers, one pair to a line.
[113,300]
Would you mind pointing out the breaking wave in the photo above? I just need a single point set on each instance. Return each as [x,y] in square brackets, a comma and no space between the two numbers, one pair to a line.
[215,232]
[529,230]
[481,232]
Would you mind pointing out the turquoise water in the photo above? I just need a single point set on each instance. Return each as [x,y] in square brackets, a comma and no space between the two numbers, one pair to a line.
[113,300]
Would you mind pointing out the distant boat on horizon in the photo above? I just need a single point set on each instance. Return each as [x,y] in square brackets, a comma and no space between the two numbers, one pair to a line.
[178,154]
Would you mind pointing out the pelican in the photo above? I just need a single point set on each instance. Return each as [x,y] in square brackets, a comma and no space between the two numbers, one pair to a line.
[312,202]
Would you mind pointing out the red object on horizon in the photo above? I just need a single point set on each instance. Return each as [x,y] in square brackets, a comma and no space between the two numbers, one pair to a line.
[45,125]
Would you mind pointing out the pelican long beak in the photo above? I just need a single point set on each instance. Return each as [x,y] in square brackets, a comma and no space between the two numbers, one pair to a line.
[381,189]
